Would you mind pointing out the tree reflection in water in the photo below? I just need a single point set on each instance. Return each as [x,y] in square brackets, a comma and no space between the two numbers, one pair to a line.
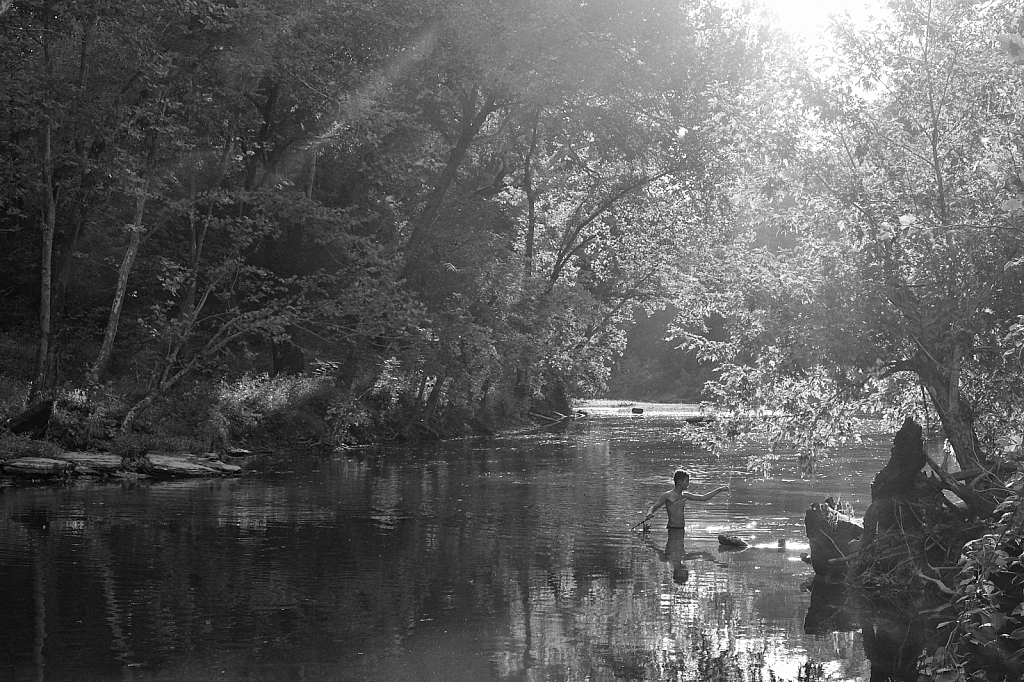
[506,561]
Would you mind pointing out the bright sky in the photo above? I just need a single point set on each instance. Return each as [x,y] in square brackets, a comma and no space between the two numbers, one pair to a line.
[809,19]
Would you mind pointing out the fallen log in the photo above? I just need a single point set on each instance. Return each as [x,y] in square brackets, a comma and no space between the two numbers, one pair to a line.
[975,502]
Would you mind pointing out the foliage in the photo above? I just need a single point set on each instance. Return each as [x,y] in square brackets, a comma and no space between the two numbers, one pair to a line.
[874,271]
[988,623]
[876,259]
[12,397]
[17,445]
[443,185]
[268,409]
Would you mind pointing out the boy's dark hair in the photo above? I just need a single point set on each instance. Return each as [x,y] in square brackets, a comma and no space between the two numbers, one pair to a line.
[680,474]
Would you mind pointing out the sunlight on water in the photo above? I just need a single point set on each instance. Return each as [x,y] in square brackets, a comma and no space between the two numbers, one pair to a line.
[506,559]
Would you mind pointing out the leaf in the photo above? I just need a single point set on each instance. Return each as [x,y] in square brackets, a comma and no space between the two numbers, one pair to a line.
[1013,45]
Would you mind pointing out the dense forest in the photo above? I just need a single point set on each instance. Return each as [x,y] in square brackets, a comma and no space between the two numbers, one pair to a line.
[339,221]
[379,219]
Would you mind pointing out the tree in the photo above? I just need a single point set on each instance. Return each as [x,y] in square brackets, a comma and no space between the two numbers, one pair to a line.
[53,135]
[574,143]
[888,238]
[477,194]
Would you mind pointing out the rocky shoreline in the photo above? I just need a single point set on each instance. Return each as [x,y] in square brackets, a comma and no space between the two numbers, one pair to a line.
[68,466]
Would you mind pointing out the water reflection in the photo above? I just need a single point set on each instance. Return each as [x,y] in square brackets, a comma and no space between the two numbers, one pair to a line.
[505,560]
[893,634]
[675,554]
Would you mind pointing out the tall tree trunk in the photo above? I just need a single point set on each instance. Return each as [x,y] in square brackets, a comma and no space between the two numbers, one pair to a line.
[135,239]
[434,397]
[942,382]
[472,120]
[58,247]
[485,400]
[531,199]
[43,377]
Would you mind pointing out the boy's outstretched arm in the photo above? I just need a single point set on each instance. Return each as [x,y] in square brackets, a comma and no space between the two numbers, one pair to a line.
[706,496]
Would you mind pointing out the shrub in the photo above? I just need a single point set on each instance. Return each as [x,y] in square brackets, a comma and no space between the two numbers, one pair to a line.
[13,394]
[17,445]
[18,349]
[281,409]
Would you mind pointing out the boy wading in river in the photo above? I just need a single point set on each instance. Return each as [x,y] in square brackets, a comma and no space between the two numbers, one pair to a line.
[674,500]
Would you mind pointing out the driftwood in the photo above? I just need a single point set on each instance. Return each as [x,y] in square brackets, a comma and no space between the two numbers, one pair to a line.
[975,502]
[553,420]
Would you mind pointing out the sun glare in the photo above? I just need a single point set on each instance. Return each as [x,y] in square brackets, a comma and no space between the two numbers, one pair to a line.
[808,20]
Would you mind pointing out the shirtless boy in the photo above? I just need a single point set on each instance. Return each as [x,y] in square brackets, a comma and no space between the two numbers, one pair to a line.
[674,500]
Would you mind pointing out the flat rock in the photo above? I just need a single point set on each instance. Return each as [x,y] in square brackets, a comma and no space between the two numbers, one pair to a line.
[37,467]
[222,467]
[93,462]
[172,466]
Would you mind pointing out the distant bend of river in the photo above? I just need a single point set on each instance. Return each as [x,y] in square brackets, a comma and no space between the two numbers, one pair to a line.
[505,559]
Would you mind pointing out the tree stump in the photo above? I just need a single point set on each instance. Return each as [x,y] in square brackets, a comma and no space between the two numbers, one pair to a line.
[833,536]
[33,421]
[896,480]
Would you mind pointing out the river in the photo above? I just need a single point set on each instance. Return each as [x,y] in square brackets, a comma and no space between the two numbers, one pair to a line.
[505,559]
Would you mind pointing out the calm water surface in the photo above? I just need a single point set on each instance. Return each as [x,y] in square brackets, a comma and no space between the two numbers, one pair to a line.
[509,559]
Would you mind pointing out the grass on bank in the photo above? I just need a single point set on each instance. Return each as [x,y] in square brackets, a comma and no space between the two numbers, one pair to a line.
[253,411]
